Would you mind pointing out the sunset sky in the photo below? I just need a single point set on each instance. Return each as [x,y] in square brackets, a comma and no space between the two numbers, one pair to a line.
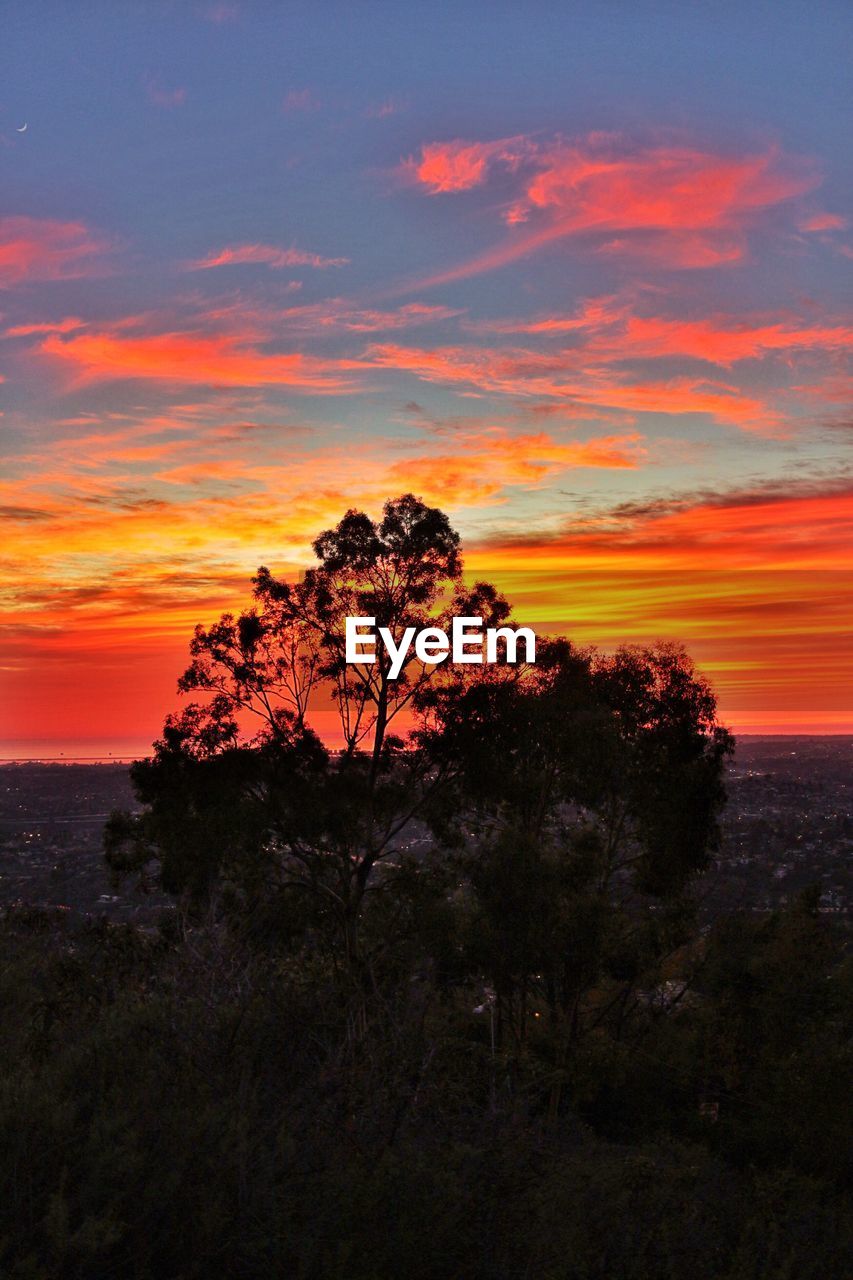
[580,274]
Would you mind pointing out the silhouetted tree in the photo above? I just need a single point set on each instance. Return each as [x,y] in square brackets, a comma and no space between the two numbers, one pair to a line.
[314,821]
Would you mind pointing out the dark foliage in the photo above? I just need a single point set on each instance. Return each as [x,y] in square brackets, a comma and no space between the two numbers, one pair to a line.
[436,1005]
[174,1105]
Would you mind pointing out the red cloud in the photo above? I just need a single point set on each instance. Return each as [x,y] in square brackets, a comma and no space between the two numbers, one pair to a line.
[823,222]
[679,205]
[720,343]
[60,326]
[679,249]
[43,249]
[659,188]
[606,330]
[458,166]
[266,255]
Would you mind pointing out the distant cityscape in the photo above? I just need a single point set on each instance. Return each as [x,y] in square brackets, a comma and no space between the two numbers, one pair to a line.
[788,825]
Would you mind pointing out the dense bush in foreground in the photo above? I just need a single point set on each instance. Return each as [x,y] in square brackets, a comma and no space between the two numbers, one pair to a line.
[172,1105]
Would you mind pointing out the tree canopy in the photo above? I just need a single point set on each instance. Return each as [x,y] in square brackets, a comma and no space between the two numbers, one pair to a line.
[589,781]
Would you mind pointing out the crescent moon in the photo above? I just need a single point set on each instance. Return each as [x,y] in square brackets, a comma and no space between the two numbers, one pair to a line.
[23,129]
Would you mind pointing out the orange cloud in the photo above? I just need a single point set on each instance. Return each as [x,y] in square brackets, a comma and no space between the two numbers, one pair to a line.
[107,544]
[44,249]
[513,371]
[484,463]
[685,395]
[564,375]
[265,255]
[606,331]
[194,358]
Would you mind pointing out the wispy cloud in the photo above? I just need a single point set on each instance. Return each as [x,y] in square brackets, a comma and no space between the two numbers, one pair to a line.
[483,463]
[267,255]
[608,329]
[67,325]
[394,105]
[47,249]
[343,315]
[822,222]
[562,375]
